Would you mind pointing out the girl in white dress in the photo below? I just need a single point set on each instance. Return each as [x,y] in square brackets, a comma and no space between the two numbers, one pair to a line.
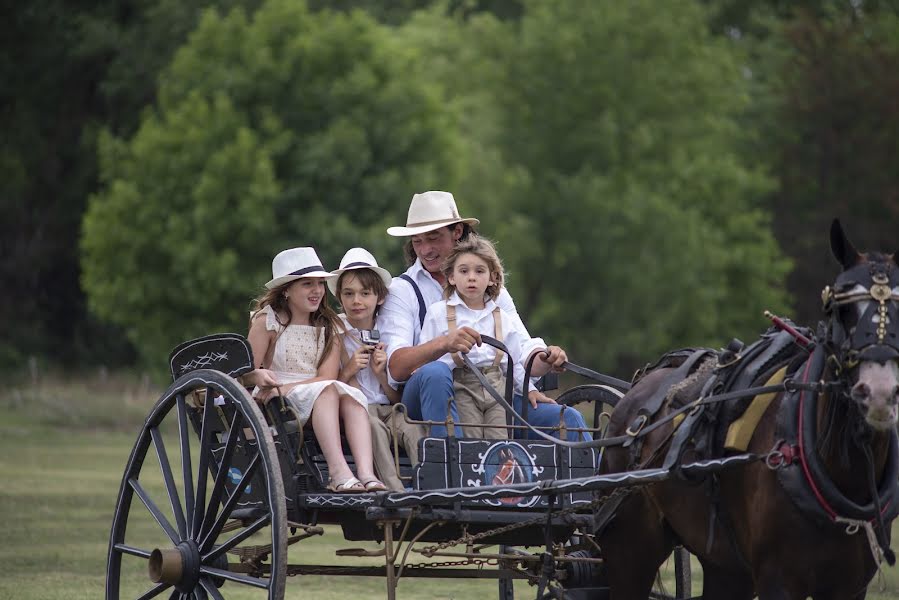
[295,342]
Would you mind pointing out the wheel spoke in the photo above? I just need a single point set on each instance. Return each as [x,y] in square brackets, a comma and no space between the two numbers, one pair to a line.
[229,505]
[186,468]
[132,551]
[176,595]
[220,478]
[236,577]
[155,591]
[233,541]
[205,453]
[211,589]
[169,481]
[154,510]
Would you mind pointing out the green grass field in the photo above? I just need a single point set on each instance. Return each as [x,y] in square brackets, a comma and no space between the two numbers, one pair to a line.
[64,447]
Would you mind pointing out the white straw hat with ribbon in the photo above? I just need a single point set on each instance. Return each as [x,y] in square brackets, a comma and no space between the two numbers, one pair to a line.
[295,263]
[358,258]
[429,211]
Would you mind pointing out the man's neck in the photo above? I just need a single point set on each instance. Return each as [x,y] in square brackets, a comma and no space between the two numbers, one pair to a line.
[438,277]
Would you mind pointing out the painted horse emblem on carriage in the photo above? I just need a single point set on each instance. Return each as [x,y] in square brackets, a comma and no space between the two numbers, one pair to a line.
[507,463]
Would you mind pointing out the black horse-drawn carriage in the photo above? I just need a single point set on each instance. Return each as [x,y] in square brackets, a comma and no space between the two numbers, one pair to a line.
[470,503]
[214,519]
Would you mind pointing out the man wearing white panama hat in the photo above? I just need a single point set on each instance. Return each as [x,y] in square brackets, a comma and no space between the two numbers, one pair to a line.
[434,226]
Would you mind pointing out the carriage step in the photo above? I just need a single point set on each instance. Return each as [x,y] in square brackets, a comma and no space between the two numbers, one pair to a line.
[359,552]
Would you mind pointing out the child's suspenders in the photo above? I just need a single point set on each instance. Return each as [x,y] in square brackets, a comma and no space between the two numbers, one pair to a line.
[497,333]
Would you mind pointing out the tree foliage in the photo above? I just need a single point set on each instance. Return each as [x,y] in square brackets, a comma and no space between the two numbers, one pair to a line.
[290,128]
[628,215]
[627,156]
[830,79]
[68,71]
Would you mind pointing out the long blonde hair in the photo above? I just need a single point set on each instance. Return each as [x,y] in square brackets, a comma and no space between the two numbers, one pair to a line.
[323,317]
[483,249]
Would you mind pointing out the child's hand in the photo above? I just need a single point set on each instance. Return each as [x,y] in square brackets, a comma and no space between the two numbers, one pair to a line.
[379,359]
[267,392]
[359,360]
[535,396]
[264,378]
[462,339]
[555,357]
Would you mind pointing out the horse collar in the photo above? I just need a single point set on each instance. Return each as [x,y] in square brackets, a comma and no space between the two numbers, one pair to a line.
[809,485]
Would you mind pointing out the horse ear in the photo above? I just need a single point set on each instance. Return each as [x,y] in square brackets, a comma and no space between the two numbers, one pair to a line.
[842,248]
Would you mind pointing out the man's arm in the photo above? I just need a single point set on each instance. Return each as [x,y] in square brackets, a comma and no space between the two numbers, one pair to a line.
[404,361]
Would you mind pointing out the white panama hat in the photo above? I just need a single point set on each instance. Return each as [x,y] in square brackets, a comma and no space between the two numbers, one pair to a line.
[358,258]
[295,263]
[429,211]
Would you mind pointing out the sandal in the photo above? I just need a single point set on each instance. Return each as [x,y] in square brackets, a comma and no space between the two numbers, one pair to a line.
[351,485]
[374,485]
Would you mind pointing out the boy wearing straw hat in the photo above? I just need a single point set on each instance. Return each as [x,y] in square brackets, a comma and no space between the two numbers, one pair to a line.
[360,285]
[433,227]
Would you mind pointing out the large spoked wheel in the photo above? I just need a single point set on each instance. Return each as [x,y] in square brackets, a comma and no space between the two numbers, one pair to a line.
[175,526]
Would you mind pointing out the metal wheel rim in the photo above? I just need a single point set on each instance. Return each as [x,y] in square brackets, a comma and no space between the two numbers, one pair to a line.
[199,526]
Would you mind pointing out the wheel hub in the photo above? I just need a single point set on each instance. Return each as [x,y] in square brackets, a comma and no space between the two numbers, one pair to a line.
[178,566]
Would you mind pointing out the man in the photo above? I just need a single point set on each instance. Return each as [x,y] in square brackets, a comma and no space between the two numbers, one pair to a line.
[433,227]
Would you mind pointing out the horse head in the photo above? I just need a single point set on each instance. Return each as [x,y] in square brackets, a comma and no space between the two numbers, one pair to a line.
[862,329]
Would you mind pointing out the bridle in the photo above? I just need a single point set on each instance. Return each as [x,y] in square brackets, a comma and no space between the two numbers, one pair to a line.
[875,336]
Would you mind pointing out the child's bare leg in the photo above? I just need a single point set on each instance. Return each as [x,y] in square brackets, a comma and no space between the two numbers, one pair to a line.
[358,434]
[326,424]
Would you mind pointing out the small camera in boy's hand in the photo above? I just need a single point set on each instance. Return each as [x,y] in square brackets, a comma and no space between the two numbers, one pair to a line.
[371,337]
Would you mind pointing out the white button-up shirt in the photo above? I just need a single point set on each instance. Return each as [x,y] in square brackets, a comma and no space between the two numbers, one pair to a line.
[368,381]
[398,318]
[514,335]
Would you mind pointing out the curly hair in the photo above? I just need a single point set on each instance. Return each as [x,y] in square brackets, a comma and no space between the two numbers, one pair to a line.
[483,249]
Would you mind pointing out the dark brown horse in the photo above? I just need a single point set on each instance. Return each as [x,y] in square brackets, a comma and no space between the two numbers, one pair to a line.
[809,527]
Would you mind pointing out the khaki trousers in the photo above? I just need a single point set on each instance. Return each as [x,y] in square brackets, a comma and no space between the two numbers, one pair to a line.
[383,420]
[476,406]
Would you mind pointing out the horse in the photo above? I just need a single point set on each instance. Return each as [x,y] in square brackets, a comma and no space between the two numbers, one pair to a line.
[811,517]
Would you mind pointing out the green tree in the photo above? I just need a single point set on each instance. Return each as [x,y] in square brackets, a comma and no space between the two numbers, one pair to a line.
[627,212]
[68,70]
[827,81]
[292,128]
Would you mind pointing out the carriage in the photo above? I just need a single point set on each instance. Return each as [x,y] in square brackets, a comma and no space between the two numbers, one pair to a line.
[233,484]
[515,509]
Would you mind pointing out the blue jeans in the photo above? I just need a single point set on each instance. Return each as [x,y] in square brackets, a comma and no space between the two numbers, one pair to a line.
[426,394]
[428,389]
[547,415]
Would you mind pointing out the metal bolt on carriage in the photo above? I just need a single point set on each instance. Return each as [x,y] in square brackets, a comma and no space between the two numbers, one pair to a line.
[217,488]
